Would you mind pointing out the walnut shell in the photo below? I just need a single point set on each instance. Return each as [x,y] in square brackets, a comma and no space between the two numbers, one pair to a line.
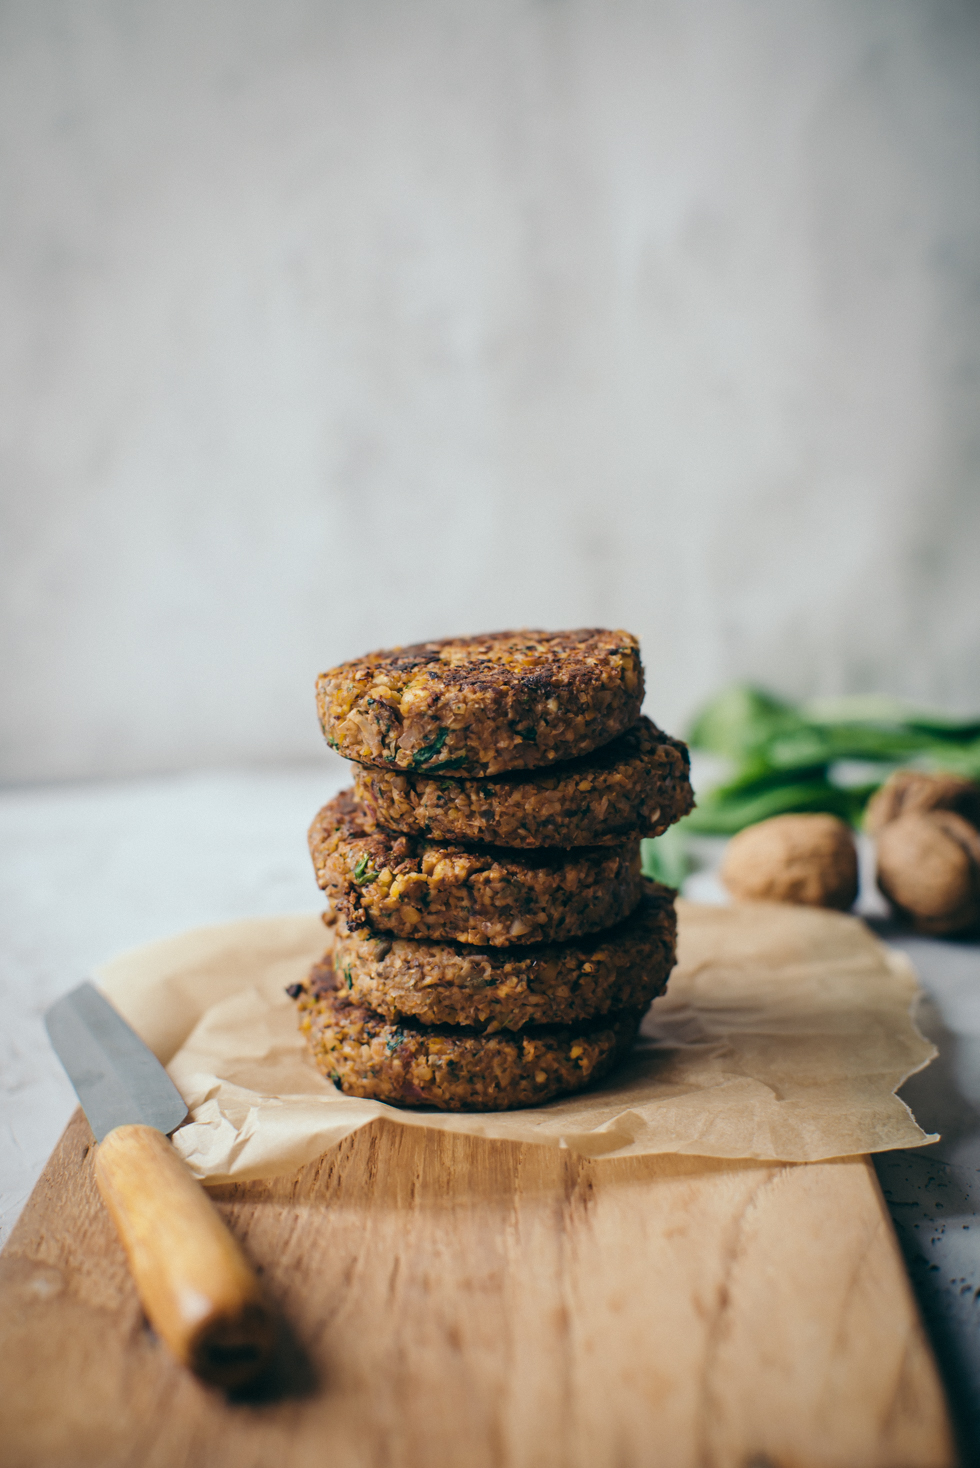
[929,869]
[806,859]
[915,790]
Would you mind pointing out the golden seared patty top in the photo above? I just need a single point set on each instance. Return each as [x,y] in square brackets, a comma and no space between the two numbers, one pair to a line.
[490,989]
[480,705]
[638,783]
[414,1065]
[416,888]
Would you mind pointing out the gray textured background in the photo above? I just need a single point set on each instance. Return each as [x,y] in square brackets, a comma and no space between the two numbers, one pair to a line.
[331,325]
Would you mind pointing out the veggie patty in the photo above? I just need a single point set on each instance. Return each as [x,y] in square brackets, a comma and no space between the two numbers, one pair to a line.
[637,784]
[481,705]
[412,887]
[492,989]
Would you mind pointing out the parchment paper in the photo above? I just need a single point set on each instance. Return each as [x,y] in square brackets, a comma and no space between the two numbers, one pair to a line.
[784,1034]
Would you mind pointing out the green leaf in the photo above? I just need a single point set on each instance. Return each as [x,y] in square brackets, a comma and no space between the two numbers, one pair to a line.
[964,760]
[665,858]
[877,710]
[428,751]
[757,775]
[783,754]
[740,720]
[360,874]
[723,815]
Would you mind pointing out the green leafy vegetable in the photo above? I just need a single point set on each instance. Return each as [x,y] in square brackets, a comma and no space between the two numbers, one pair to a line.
[665,858]
[360,874]
[428,752]
[722,811]
[788,757]
[741,720]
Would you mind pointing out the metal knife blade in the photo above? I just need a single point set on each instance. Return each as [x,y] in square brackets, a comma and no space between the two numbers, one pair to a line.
[117,1078]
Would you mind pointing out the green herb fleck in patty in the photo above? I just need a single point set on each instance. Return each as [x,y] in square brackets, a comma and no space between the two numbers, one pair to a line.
[429,751]
[361,875]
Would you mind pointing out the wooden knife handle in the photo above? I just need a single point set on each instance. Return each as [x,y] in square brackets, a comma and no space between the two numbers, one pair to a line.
[197,1288]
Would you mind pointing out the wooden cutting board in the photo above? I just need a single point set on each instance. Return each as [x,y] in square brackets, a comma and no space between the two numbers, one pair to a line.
[456,1302]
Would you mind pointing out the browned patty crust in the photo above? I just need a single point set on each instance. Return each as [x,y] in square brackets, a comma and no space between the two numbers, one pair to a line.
[416,888]
[413,1065]
[492,989]
[638,784]
[480,705]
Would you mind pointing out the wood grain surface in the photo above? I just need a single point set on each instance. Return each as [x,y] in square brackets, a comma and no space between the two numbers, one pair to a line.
[452,1301]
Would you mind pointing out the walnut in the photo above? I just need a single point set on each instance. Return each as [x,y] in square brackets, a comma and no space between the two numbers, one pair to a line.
[929,869]
[914,790]
[807,859]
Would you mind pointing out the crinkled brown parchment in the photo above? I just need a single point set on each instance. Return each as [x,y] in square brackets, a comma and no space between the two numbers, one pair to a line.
[784,1034]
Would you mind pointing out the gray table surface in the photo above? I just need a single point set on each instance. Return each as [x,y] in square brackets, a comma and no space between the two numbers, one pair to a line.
[87,871]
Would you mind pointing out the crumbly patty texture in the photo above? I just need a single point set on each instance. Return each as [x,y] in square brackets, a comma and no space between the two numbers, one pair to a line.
[480,705]
[493,989]
[638,784]
[412,1065]
[415,888]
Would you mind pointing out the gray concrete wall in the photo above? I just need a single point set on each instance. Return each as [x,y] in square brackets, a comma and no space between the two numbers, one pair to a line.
[333,325]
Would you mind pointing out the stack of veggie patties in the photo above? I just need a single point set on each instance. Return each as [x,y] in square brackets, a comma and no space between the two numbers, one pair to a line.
[494,941]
